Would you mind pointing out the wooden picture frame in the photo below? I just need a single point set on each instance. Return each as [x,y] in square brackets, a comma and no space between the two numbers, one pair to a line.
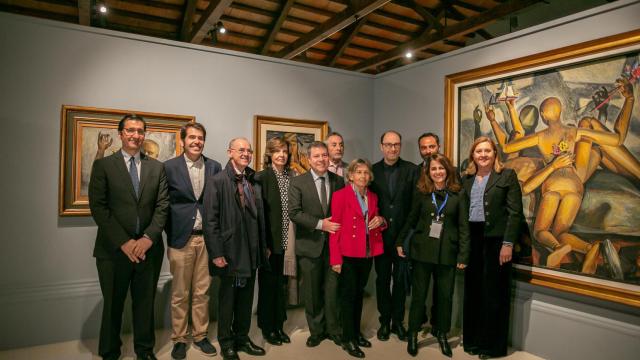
[299,134]
[583,78]
[81,129]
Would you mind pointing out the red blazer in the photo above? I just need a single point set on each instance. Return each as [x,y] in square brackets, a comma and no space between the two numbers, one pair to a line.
[350,240]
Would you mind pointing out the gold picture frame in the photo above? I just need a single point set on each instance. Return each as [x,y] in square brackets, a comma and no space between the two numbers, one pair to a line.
[299,134]
[80,131]
[575,58]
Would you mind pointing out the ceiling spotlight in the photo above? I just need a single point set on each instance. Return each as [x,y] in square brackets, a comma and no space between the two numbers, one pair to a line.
[102,9]
[408,54]
[220,27]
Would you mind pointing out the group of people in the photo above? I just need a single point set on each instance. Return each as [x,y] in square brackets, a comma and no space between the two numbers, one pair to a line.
[328,226]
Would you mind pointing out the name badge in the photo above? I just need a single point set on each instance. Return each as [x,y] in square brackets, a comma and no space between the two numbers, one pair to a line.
[436,229]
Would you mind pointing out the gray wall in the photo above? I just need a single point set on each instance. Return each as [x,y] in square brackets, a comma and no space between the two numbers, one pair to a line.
[48,287]
[550,324]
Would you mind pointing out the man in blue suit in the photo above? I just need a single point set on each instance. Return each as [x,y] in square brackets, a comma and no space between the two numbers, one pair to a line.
[188,258]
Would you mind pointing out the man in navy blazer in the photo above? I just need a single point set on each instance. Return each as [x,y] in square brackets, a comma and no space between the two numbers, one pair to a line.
[187,253]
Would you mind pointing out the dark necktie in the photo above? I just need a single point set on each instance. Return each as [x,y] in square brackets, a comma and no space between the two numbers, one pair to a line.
[133,172]
[323,195]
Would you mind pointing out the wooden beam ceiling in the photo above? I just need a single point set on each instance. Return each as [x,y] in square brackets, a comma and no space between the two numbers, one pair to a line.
[209,19]
[347,35]
[187,19]
[276,26]
[425,40]
[359,9]
[84,12]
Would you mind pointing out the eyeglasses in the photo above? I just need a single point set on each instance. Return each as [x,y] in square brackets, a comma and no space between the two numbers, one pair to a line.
[243,151]
[131,131]
[391,145]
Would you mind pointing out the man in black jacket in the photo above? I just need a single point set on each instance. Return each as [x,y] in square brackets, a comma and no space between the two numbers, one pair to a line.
[234,236]
[394,182]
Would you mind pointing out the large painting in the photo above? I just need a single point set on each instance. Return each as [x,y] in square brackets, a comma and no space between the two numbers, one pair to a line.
[568,122]
[298,133]
[89,133]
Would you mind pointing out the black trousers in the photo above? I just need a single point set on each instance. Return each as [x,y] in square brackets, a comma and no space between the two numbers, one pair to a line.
[353,279]
[117,277]
[487,296]
[391,296]
[319,290]
[234,311]
[443,282]
[272,301]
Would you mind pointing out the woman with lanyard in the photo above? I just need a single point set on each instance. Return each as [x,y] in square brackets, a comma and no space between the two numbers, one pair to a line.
[495,214]
[352,248]
[440,244]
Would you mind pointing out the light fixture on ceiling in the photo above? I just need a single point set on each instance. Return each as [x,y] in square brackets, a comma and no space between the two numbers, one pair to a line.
[102,8]
[408,54]
[218,28]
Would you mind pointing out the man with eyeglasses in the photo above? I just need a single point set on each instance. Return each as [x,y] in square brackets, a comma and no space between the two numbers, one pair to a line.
[234,236]
[394,182]
[129,202]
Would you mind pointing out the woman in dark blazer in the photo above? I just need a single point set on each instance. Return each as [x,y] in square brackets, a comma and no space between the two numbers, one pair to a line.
[353,247]
[439,245]
[273,184]
[495,214]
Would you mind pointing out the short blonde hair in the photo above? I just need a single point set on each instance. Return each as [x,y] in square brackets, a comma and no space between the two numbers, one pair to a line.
[353,165]
[273,145]
[497,164]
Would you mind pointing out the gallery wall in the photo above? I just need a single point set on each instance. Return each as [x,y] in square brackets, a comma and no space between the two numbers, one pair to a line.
[550,324]
[48,281]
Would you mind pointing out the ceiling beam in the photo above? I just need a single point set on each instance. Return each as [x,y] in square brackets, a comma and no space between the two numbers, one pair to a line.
[84,12]
[485,34]
[433,20]
[208,19]
[359,9]
[468,6]
[347,35]
[276,26]
[425,40]
[187,20]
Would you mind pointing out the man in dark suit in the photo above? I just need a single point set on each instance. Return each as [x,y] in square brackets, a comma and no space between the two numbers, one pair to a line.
[188,258]
[234,235]
[428,144]
[394,182]
[309,209]
[335,146]
[128,200]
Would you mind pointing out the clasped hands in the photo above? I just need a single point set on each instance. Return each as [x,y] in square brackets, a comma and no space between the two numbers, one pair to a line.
[403,255]
[331,227]
[136,249]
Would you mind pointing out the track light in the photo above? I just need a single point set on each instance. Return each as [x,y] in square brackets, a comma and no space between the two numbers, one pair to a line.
[218,28]
[408,54]
[102,8]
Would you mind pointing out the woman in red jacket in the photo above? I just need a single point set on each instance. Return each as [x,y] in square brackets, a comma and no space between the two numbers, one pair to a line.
[352,248]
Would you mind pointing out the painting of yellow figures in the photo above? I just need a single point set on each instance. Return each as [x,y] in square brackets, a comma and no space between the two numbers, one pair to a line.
[572,134]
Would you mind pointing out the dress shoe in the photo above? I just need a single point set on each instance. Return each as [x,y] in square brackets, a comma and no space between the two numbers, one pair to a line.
[250,348]
[315,340]
[336,339]
[179,351]
[444,345]
[362,342]
[284,338]
[399,330]
[229,354]
[148,356]
[383,332]
[272,338]
[472,350]
[352,349]
[205,347]
[412,344]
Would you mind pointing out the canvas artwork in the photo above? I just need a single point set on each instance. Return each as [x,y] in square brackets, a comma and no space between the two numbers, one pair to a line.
[571,132]
[298,133]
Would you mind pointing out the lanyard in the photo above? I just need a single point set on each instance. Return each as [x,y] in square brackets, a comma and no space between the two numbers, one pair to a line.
[439,209]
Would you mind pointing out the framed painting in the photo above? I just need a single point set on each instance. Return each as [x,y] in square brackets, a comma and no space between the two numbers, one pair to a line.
[89,133]
[298,133]
[568,122]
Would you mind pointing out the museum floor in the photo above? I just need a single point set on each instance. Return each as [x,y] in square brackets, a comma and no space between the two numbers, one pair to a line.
[295,327]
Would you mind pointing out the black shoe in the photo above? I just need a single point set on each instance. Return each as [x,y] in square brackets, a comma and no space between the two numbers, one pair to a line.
[472,350]
[229,354]
[412,344]
[315,340]
[336,339]
[284,338]
[352,349]
[399,330]
[148,356]
[205,347]
[250,348]
[362,342]
[179,351]
[272,338]
[383,332]
[444,345]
